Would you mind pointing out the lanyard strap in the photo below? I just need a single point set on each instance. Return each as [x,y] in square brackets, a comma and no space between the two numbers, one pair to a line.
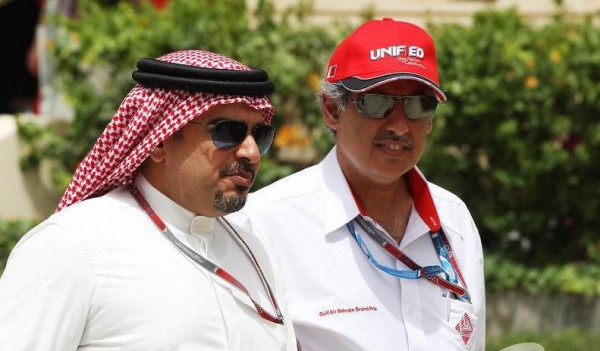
[405,274]
[449,264]
[443,249]
[208,265]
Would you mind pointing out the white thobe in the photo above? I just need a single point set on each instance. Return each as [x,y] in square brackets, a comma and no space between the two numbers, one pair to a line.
[100,276]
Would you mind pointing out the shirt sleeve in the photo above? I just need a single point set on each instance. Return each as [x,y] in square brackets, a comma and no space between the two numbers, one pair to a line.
[45,293]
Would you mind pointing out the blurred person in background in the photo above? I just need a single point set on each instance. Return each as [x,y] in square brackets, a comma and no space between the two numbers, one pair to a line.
[18,82]
[372,255]
[138,256]
[27,72]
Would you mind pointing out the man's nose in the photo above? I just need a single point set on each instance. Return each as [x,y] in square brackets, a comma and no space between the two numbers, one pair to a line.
[397,120]
[248,150]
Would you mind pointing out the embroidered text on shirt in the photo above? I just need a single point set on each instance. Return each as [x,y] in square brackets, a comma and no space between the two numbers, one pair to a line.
[341,310]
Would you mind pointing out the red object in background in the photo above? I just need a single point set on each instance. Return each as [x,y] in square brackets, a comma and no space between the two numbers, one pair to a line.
[36,104]
[160,4]
[571,142]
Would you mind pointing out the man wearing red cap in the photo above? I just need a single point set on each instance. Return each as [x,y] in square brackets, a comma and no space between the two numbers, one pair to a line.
[137,256]
[372,255]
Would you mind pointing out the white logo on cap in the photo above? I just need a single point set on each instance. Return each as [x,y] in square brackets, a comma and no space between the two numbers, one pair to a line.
[331,71]
[397,51]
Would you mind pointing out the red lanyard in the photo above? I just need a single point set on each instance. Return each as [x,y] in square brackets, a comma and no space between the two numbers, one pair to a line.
[209,266]
[426,209]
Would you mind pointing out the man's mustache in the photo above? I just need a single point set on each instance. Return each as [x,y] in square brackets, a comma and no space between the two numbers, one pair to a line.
[394,137]
[237,168]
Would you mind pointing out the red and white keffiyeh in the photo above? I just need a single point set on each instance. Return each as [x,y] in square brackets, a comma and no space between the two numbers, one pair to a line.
[146,117]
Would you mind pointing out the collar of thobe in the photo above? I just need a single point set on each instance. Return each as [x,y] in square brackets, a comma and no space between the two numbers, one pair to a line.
[173,214]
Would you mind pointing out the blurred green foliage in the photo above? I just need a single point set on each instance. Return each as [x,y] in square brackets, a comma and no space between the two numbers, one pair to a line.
[570,278]
[517,139]
[10,232]
[570,339]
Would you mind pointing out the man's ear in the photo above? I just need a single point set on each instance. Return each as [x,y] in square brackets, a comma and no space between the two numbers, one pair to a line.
[158,154]
[430,125]
[330,111]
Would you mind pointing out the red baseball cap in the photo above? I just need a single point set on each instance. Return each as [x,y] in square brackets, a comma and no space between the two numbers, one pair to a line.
[381,51]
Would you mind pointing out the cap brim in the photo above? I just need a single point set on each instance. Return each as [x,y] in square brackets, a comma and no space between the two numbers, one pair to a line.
[358,85]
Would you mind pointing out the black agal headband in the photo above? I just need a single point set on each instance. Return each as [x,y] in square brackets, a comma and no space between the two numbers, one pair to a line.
[174,76]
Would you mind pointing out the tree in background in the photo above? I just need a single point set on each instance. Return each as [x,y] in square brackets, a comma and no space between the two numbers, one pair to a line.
[519,138]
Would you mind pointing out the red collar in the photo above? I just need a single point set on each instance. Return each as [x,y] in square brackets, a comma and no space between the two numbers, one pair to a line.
[421,197]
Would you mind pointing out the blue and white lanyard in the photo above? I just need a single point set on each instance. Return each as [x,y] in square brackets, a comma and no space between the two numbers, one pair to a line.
[450,281]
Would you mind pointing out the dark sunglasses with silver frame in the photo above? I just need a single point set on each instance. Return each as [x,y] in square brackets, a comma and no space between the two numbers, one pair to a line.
[378,106]
[227,133]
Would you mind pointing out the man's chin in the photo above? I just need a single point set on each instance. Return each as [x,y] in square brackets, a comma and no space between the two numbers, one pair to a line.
[228,203]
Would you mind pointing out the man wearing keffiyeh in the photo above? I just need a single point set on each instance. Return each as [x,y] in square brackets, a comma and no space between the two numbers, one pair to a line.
[137,256]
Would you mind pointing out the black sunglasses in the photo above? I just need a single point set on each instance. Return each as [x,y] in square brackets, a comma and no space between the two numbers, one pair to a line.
[228,133]
[379,106]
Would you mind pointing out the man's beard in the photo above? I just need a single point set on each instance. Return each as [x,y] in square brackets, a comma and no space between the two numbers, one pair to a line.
[229,204]
[233,203]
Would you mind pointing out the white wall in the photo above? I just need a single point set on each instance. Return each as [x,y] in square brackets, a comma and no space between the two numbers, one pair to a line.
[423,11]
[22,194]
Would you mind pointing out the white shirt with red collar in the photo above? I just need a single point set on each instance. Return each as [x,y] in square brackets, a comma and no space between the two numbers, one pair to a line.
[337,299]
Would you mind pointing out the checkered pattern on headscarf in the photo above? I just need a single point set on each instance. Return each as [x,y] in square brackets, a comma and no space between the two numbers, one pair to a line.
[145,118]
